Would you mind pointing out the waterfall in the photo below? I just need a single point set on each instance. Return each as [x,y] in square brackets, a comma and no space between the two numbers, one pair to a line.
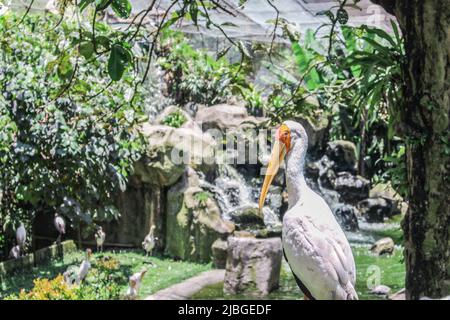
[234,193]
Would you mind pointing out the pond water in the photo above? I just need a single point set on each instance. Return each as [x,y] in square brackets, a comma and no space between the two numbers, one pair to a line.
[371,271]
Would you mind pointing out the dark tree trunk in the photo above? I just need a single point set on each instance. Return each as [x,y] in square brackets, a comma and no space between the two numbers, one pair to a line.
[425,119]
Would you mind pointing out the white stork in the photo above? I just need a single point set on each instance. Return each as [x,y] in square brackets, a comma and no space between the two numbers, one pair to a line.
[4,7]
[100,237]
[134,284]
[60,225]
[314,244]
[84,267]
[149,241]
[21,236]
[52,7]
[14,253]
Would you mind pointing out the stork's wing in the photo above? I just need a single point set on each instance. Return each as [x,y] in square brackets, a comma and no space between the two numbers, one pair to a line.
[318,252]
[300,284]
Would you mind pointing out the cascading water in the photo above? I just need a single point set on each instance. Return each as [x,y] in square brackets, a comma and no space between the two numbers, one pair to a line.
[235,196]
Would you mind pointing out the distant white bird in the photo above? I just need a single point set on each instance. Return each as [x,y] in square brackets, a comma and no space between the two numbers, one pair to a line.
[21,236]
[70,275]
[4,7]
[60,225]
[14,253]
[52,7]
[149,241]
[314,244]
[135,284]
[84,267]
[100,237]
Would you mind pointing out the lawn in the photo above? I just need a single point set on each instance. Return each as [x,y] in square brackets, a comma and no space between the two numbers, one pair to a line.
[162,272]
[371,270]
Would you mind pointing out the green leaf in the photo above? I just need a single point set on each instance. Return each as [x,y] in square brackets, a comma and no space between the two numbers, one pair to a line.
[342,16]
[84,3]
[122,8]
[193,12]
[118,61]
[381,33]
[103,41]
[65,68]
[377,45]
[50,67]
[102,4]
[86,49]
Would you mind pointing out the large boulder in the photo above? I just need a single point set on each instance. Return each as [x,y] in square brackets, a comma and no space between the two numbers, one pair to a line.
[189,123]
[351,188]
[346,215]
[170,150]
[383,246]
[158,169]
[225,116]
[253,266]
[193,221]
[386,191]
[219,251]
[381,290]
[376,209]
[246,214]
[343,154]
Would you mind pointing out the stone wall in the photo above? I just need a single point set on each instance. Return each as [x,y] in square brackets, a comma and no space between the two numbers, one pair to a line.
[40,257]
[140,206]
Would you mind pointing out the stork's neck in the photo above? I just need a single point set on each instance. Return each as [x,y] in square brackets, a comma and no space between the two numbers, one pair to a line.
[295,179]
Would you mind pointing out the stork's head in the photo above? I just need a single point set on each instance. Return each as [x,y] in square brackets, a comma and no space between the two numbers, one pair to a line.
[288,136]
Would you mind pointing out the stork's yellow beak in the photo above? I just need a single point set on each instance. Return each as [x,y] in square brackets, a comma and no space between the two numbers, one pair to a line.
[277,156]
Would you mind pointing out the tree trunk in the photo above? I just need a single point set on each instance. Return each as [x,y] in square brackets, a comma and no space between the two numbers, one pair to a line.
[425,119]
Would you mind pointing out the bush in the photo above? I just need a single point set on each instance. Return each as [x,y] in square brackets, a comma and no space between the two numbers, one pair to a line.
[175,119]
[193,75]
[45,289]
[67,137]
[102,283]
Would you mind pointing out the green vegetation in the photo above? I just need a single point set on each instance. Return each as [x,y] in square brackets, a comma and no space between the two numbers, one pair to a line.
[193,75]
[371,270]
[175,119]
[66,143]
[359,84]
[72,97]
[203,196]
[108,278]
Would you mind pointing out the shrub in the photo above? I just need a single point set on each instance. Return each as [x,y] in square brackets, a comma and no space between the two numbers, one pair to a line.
[103,283]
[45,289]
[67,137]
[193,75]
[175,119]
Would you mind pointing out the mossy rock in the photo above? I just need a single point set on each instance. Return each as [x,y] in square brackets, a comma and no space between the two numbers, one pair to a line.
[20,264]
[192,225]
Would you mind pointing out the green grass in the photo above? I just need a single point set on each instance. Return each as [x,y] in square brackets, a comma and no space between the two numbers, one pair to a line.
[390,269]
[387,270]
[162,272]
